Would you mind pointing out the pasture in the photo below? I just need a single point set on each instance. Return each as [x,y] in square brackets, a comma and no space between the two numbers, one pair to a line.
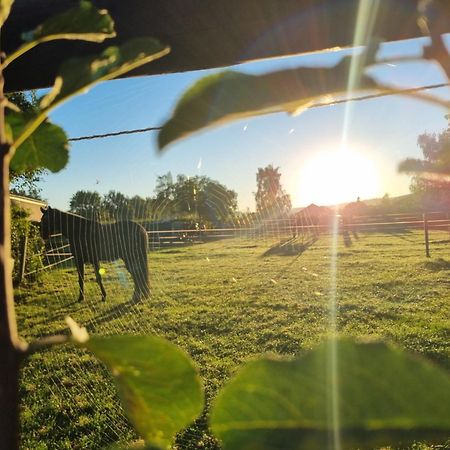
[224,302]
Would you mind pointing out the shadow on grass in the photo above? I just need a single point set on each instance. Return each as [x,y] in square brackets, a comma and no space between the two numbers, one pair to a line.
[437,265]
[113,313]
[291,247]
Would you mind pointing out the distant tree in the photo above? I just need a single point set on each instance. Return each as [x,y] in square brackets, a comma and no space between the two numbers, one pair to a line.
[87,204]
[141,207]
[118,206]
[203,199]
[196,198]
[163,206]
[215,202]
[271,199]
[431,175]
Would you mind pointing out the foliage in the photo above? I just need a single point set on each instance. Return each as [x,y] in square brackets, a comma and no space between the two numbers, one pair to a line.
[158,384]
[21,226]
[25,183]
[227,96]
[214,100]
[111,206]
[371,387]
[86,204]
[430,179]
[49,147]
[271,200]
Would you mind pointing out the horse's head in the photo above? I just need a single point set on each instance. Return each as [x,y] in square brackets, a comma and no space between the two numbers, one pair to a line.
[47,222]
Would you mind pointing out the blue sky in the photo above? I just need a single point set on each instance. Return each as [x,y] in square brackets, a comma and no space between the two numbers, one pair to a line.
[384,130]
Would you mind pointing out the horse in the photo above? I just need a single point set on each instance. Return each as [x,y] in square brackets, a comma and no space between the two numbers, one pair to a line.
[92,242]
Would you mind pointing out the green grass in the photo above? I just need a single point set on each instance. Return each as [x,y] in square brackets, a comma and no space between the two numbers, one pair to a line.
[224,302]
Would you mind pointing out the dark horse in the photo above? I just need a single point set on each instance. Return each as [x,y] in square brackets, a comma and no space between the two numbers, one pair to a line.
[92,242]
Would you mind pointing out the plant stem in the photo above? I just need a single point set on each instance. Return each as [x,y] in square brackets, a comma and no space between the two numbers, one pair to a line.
[10,353]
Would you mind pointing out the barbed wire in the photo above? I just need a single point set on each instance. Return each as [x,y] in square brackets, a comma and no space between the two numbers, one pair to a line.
[315,105]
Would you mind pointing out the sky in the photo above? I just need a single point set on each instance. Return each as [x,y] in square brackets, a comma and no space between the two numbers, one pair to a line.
[379,134]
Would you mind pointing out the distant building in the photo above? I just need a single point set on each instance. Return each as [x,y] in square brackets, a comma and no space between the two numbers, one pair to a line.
[312,215]
[31,205]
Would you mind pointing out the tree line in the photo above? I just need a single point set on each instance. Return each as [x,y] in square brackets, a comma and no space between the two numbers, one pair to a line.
[198,199]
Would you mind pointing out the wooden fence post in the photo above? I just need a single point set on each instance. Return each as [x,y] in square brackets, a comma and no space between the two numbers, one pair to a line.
[427,240]
[23,256]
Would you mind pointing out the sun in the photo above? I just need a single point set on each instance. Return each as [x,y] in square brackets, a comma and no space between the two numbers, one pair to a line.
[331,177]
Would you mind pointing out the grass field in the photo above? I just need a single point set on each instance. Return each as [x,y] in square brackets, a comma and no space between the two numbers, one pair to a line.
[225,302]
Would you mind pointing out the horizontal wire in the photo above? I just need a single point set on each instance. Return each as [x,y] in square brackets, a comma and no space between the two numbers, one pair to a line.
[117,133]
[315,105]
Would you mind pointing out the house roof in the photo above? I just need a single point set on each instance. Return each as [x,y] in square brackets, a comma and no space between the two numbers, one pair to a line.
[31,205]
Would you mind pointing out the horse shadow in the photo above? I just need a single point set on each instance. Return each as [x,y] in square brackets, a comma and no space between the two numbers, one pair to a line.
[113,313]
[438,265]
[290,247]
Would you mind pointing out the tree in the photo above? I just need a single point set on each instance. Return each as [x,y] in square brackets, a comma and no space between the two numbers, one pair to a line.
[430,179]
[141,207]
[26,182]
[87,204]
[28,141]
[196,198]
[271,199]
[118,206]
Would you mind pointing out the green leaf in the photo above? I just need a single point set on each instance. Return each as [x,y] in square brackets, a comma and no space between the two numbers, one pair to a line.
[46,148]
[159,387]
[385,396]
[5,8]
[84,22]
[80,74]
[228,96]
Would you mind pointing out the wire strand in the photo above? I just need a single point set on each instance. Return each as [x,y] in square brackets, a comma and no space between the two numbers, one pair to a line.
[316,105]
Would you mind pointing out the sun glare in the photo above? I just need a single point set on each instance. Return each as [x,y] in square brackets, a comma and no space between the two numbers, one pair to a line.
[337,176]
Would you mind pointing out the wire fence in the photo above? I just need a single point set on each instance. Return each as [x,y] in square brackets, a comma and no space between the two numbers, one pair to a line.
[274,230]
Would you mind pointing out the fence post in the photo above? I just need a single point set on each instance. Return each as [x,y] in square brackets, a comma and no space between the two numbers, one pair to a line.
[427,241]
[23,256]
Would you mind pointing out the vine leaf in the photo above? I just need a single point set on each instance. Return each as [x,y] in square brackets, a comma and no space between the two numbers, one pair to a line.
[228,96]
[46,147]
[5,8]
[79,74]
[159,387]
[386,396]
[84,22]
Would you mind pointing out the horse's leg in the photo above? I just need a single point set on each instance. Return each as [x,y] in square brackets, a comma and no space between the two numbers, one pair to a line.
[132,265]
[130,268]
[80,270]
[98,278]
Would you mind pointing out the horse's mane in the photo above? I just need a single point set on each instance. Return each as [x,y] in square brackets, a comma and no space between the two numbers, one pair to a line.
[58,211]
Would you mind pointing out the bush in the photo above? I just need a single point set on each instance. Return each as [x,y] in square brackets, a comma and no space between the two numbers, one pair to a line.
[21,227]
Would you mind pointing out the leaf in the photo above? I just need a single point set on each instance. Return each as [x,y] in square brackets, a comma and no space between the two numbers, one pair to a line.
[79,74]
[228,96]
[159,387]
[47,147]
[5,8]
[85,22]
[386,396]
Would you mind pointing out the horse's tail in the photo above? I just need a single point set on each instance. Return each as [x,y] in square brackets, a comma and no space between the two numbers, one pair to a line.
[142,276]
[144,279]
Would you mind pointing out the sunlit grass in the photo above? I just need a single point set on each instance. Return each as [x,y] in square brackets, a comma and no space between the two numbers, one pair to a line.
[223,302]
